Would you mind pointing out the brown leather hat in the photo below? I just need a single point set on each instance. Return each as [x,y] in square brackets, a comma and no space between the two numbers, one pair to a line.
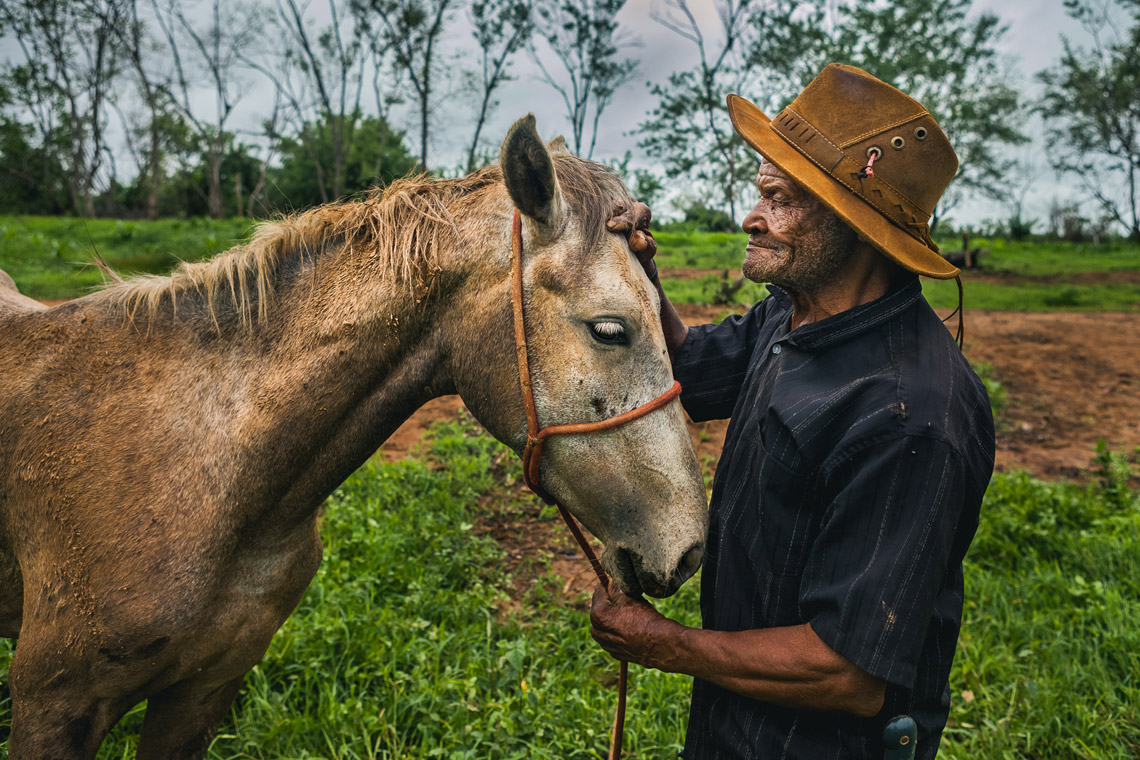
[843,121]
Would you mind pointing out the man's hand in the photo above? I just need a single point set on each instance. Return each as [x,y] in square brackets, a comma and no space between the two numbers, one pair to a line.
[630,629]
[632,220]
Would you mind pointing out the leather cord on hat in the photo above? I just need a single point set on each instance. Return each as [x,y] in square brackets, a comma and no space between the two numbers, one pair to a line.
[960,335]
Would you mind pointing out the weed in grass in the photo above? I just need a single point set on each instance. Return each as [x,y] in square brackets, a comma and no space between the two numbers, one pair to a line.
[999,400]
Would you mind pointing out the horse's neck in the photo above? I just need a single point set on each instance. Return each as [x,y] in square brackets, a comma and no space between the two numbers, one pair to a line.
[341,361]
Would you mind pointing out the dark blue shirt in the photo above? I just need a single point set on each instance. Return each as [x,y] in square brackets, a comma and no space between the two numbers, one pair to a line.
[847,493]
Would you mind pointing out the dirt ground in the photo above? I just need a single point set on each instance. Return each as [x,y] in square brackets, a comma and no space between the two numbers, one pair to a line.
[1070,378]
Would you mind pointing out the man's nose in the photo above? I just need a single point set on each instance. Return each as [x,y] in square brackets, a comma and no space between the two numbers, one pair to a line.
[756,220]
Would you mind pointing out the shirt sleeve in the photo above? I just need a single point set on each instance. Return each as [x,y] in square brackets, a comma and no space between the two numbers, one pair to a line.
[713,361]
[884,551]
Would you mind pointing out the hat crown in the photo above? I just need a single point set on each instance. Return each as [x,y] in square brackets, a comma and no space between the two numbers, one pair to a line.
[825,141]
[857,112]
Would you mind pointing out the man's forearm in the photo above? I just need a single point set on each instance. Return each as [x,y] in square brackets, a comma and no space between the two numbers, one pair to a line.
[788,666]
[675,330]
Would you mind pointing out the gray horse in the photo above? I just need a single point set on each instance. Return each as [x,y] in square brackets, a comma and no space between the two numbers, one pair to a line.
[165,443]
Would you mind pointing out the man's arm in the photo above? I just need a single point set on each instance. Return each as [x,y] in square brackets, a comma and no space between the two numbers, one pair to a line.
[788,666]
[633,222]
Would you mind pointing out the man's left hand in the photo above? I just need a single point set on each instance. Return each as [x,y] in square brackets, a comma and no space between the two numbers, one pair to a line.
[631,629]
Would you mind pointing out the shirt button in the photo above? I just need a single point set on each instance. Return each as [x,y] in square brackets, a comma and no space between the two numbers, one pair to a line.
[776,348]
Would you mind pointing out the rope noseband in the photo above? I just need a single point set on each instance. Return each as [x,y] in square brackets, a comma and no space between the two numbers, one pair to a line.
[535,436]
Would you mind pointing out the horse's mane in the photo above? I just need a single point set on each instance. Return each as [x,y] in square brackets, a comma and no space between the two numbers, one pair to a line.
[402,227]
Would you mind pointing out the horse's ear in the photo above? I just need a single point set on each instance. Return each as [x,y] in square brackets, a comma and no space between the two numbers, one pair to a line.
[528,171]
[557,146]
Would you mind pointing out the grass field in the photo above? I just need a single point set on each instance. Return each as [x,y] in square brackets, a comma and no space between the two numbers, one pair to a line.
[50,258]
[408,646]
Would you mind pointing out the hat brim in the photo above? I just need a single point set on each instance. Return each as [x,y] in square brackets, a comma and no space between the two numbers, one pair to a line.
[886,237]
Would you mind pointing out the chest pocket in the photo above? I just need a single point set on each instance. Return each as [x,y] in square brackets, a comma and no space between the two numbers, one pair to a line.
[785,513]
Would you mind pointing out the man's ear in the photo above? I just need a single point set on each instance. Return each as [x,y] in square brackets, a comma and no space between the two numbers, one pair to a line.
[528,171]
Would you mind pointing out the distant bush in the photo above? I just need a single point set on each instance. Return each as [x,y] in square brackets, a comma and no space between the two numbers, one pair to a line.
[700,217]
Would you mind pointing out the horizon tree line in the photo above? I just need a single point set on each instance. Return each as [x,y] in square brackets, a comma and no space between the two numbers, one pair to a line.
[174,73]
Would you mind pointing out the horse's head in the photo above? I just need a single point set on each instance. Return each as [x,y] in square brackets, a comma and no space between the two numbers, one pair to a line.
[595,350]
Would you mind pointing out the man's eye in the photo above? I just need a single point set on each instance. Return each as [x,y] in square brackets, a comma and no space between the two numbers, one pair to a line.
[608,332]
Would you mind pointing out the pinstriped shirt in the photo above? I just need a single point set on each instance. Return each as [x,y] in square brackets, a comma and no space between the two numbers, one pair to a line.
[847,493]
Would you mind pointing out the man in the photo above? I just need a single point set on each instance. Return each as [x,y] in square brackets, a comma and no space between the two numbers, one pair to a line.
[859,448]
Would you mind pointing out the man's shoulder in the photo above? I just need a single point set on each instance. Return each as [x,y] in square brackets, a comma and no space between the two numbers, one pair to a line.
[904,377]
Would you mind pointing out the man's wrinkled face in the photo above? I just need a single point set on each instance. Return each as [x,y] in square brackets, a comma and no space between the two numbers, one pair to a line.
[794,241]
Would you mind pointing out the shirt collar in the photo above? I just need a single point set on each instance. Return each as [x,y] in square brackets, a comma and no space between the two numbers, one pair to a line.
[818,336]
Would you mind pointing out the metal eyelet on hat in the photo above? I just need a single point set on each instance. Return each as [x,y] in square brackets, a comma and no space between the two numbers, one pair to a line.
[897,142]
[920,133]
[876,150]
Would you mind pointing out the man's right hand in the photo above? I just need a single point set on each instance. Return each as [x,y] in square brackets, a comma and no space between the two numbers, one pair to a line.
[632,220]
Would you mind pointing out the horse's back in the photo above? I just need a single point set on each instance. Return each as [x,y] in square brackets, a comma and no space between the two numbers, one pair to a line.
[12,301]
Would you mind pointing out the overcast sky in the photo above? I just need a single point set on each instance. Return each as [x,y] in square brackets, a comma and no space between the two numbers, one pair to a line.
[1033,39]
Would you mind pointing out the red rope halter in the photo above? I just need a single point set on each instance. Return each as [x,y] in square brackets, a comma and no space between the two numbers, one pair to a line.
[535,436]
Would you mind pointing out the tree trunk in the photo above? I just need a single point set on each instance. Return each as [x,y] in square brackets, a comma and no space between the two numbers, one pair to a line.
[214,194]
[154,173]
[237,193]
[424,131]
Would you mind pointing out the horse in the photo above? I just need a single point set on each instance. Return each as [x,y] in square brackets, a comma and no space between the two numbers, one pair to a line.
[166,443]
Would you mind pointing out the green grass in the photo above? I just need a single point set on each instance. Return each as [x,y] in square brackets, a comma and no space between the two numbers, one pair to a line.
[701,250]
[406,645]
[1050,648]
[1043,258]
[51,257]
[1033,296]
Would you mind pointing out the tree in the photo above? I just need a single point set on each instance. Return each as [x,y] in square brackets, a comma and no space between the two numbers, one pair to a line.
[1092,102]
[502,28]
[583,36]
[411,30]
[332,72]
[141,52]
[71,58]
[689,129]
[965,83]
[212,44]
[377,157]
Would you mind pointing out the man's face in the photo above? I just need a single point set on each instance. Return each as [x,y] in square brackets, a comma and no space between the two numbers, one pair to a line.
[794,241]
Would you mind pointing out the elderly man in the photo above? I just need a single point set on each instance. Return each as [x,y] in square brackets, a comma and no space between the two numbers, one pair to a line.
[859,448]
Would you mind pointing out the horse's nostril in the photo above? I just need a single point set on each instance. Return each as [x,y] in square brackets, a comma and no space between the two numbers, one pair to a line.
[691,561]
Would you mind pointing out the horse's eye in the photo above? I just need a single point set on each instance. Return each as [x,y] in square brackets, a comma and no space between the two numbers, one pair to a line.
[608,332]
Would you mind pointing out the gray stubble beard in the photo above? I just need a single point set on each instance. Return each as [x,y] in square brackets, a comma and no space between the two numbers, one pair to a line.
[823,251]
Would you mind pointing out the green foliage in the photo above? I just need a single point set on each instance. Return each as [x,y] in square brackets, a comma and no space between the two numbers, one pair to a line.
[376,156]
[689,129]
[32,180]
[701,218]
[681,247]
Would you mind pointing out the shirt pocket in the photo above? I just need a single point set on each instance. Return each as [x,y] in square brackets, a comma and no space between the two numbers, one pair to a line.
[787,520]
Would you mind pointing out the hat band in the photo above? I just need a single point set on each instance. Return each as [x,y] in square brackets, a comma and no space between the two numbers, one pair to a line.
[888,201]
